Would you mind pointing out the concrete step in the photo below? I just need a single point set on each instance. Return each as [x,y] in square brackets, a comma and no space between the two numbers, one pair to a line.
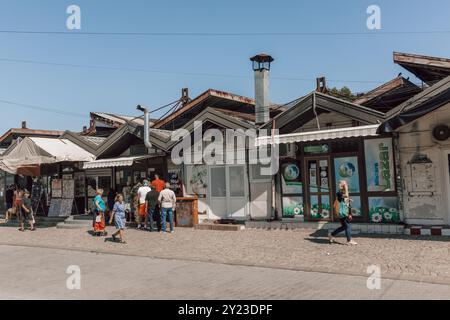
[84,217]
[79,222]
[219,227]
[40,222]
[63,225]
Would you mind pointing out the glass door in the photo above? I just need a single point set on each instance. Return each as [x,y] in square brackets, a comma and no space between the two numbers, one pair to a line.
[318,187]
[228,192]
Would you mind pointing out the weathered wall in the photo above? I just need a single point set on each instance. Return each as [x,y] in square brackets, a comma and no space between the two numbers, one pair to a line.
[336,121]
[425,187]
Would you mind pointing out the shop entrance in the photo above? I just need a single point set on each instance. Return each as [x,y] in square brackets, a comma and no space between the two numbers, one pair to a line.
[318,188]
[228,192]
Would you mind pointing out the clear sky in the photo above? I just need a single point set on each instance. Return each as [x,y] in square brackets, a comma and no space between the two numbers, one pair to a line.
[167,63]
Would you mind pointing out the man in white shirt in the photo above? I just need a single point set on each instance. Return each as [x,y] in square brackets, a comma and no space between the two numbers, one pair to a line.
[168,201]
[142,211]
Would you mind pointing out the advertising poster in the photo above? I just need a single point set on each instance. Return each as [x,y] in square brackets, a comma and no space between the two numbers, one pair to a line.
[197,179]
[174,178]
[347,169]
[383,210]
[292,206]
[291,178]
[56,188]
[379,165]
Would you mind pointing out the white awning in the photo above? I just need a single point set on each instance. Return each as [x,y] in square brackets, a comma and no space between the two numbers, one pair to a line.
[115,162]
[33,152]
[362,131]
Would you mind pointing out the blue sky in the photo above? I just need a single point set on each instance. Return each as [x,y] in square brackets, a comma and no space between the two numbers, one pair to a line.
[81,90]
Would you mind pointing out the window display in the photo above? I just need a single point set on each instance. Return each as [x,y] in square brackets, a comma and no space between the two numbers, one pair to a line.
[293,206]
[383,210]
[379,165]
[347,169]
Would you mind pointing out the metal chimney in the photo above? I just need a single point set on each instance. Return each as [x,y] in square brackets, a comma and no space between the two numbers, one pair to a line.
[261,66]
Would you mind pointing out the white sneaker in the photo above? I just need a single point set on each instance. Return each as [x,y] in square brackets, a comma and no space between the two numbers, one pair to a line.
[331,238]
[352,243]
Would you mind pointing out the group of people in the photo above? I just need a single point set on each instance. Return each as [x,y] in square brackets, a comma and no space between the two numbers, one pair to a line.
[18,203]
[150,203]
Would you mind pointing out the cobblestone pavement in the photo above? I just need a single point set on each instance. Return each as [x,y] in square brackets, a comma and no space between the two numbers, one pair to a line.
[423,259]
[40,273]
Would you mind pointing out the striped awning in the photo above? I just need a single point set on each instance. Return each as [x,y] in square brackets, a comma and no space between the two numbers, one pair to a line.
[115,162]
[361,131]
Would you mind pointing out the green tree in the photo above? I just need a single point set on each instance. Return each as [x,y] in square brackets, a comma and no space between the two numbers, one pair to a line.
[344,93]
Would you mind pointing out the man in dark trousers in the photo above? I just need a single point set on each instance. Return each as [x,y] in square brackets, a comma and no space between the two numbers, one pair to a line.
[151,203]
[9,197]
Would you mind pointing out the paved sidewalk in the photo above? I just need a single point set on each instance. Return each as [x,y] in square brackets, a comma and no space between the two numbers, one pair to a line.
[399,257]
[38,273]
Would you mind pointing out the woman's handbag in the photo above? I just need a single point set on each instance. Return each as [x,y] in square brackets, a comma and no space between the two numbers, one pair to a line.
[336,208]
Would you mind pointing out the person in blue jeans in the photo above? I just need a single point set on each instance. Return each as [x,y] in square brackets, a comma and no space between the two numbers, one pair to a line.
[168,200]
[345,217]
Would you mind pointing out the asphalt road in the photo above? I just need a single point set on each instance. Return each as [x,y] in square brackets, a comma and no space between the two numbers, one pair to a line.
[41,273]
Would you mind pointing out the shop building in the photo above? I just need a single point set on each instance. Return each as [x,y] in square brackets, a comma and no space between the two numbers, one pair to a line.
[322,140]
[50,164]
[7,142]
[422,125]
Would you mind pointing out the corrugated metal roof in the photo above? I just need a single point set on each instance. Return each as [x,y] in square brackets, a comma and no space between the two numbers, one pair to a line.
[95,140]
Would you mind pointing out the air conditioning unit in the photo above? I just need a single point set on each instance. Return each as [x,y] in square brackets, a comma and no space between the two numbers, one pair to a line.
[441,132]
[288,150]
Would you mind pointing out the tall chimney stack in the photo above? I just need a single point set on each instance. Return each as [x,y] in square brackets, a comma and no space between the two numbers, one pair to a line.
[24,125]
[261,67]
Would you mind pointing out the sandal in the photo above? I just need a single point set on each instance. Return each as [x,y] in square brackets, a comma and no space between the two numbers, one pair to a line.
[123,242]
[21,230]
[114,237]
[32,229]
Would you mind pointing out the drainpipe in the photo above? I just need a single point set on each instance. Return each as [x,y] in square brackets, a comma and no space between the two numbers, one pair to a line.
[146,126]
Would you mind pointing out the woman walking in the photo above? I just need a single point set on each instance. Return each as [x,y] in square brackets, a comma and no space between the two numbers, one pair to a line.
[342,209]
[118,214]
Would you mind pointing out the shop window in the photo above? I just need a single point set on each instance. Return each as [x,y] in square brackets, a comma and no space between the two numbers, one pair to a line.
[291,188]
[379,165]
[292,206]
[384,210]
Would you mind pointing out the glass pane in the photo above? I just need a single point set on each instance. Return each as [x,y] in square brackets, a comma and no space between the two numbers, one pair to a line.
[324,176]
[218,185]
[347,169]
[379,165]
[312,173]
[315,214]
[325,207]
[291,182]
[356,206]
[292,206]
[383,209]
[237,182]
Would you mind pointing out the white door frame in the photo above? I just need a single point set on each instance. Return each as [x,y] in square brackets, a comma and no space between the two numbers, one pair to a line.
[447,181]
